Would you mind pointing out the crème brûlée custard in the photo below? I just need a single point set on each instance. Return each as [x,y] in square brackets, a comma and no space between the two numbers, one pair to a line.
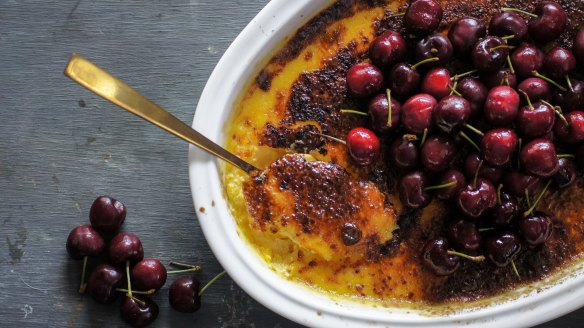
[317,217]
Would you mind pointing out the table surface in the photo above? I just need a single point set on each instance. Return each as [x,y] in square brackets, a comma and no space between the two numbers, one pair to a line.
[61,146]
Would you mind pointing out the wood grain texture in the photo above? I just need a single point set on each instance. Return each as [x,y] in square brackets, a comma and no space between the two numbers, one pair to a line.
[60,147]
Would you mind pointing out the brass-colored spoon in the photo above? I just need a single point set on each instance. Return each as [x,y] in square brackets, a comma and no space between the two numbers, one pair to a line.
[110,88]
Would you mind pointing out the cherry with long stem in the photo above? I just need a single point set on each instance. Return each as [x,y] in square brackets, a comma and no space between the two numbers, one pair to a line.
[537,200]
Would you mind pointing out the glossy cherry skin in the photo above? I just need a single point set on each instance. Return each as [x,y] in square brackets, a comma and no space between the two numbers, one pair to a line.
[125,246]
[107,214]
[475,92]
[183,294]
[578,47]
[574,131]
[451,113]
[509,23]
[435,45]
[103,281]
[572,99]
[536,229]
[517,183]
[465,33]
[498,146]
[465,235]
[474,201]
[137,315]
[404,154]
[501,105]
[536,89]
[535,121]
[437,153]
[363,146]
[437,83]
[539,157]
[379,112]
[559,62]
[447,177]
[549,24]
[388,49]
[436,258]
[403,80]
[412,191]
[148,274]
[502,76]
[423,17]
[84,241]
[566,175]
[485,57]
[364,80]
[417,113]
[505,213]
[501,247]
[526,59]
[471,165]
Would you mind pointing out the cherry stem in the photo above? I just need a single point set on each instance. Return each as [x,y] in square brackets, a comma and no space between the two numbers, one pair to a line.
[473,129]
[331,138]
[453,89]
[476,176]
[410,137]
[194,268]
[519,11]
[458,76]
[137,300]
[210,282]
[427,60]
[511,69]
[547,79]
[434,51]
[397,15]
[182,265]
[558,111]
[479,258]
[499,193]
[569,82]
[566,156]
[502,46]
[515,269]
[529,104]
[532,208]
[507,37]
[389,109]
[527,198]
[505,80]
[442,186]
[486,229]
[352,111]
[139,292]
[128,278]
[83,285]
[424,136]
[519,145]
[462,134]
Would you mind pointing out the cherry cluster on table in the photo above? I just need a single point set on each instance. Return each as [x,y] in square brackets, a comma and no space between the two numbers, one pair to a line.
[141,276]
[489,140]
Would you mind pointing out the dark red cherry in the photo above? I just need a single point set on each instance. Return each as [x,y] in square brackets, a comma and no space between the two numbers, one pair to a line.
[412,190]
[107,214]
[435,45]
[559,62]
[573,132]
[573,98]
[448,177]
[501,105]
[423,17]
[489,54]
[148,274]
[403,80]
[436,258]
[475,92]
[566,175]
[465,234]
[539,157]
[509,24]
[363,146]
[364,80]
[549,24]
[502,76]
[537,89]
[417,113]
[465,33]
[501,247]
[535,121]
[471,165]
[517,183]
[498,146]
[404,153]
[526,59]
[536,229]
[437,153]
[387,49]
[84,241]
[505,212]
[103,281]
[437,83]
[379,113]
[138,315]
[125,246]
[452,113]
[578,48]
[475,200]
[183,294]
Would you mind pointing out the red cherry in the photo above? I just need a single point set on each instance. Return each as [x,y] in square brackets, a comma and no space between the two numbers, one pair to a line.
[364,146]
[364,80]
[417,113]
[549,24]
[574,131]
[423,17]
[498,146]
[526,59]
[501,106]
[437,83]
[539,158]
[437,153]
[387,49]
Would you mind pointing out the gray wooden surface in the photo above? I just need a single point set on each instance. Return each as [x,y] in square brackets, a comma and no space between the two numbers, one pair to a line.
[61,146]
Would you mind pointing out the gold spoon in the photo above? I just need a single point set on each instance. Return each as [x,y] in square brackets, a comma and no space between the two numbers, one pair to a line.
[110,88]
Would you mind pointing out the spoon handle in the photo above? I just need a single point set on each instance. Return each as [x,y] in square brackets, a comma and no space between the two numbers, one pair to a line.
[110,88]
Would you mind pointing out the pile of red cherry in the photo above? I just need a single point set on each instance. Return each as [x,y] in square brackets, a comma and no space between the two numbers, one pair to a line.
[141,276]
[517,108]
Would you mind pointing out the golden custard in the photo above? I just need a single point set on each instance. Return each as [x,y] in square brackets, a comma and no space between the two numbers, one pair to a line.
[298,94]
